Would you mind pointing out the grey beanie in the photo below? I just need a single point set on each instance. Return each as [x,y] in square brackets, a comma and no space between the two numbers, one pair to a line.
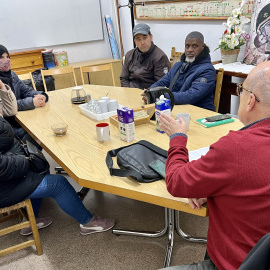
[197,35]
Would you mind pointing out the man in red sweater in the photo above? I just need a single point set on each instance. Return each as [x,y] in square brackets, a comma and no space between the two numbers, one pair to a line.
[233,176]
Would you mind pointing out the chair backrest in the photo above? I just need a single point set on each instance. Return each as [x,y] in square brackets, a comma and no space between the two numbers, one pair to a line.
[175,56]
[58,71]
[27,76]
[90,69]
[219,79]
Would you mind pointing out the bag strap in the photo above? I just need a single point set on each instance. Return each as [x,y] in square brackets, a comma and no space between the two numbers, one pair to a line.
[175,77]
[133,173]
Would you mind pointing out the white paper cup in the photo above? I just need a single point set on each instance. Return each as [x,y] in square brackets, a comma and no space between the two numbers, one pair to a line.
[113,105]
[103,132]
[103,105]
[106,98]
[186,117]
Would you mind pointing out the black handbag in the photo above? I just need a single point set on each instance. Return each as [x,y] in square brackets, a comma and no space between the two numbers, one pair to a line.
[38,162]
[134,161]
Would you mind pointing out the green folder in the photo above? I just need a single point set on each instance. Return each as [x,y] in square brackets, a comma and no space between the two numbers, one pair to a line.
[203,122]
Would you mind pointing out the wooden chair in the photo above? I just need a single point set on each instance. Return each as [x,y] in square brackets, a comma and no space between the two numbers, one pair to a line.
[58,71]
[18,210]
[219,79]
[27,76]
[175,56]
[90,69]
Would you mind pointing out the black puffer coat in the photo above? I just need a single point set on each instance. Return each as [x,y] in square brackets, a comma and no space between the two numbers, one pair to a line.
[17,181]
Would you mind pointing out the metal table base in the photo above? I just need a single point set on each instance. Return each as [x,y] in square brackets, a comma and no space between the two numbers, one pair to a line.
[171,224]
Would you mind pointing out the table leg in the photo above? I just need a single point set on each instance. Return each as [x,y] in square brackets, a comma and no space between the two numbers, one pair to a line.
[143,233]
[184,235]
[170,238]
[83,192]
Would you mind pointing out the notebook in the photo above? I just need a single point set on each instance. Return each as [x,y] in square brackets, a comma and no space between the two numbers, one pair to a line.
[203,122]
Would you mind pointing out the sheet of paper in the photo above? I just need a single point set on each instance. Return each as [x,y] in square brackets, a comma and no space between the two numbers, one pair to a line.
[196,154]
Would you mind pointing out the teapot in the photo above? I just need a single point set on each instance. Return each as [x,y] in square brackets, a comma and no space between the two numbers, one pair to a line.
[78,95]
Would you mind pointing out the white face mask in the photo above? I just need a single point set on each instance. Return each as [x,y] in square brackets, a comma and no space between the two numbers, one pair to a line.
[5,64]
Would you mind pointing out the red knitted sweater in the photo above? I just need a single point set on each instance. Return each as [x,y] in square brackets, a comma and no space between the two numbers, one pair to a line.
[235,177]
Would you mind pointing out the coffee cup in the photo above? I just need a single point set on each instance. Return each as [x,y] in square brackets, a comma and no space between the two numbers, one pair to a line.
[103,105]
[106,98]
[103,132]
[186,117]
[113,105]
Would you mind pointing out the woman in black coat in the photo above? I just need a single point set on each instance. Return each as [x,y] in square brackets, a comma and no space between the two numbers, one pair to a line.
[18,182]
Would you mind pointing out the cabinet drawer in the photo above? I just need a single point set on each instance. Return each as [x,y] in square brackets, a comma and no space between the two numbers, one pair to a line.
[23,62]
[26,61]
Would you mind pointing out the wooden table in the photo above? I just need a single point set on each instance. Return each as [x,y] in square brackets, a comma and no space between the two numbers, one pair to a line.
[83,157]
[228,88]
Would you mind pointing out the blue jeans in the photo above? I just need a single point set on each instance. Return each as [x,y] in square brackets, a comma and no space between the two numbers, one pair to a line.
[57,187]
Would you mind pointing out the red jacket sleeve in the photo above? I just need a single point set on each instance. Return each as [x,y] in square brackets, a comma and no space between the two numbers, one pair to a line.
[205,177]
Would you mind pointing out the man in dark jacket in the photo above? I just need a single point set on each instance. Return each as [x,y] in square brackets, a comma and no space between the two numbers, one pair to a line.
[145,64]
[192,80]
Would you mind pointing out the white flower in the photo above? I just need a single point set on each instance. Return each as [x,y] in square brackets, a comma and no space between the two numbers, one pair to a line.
[236,12]
[229,20]
[238,30]
[235,42]
[243,21]
[234,36]
[235,21]
[243,3]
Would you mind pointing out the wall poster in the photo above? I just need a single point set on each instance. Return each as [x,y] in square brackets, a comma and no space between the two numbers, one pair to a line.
[258,46]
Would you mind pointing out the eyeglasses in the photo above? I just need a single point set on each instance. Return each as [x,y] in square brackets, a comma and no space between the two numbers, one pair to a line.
[240,88]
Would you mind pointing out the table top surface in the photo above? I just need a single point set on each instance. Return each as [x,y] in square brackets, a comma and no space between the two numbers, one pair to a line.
[236,69]
[83,157]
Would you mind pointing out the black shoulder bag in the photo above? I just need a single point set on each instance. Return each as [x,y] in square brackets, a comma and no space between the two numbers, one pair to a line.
[37,160]
[134,160]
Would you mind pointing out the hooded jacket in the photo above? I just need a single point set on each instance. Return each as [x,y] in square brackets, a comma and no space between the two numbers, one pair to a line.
[17,181]
[195,83]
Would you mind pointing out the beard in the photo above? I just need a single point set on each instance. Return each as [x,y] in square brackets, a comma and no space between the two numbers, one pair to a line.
[190,60]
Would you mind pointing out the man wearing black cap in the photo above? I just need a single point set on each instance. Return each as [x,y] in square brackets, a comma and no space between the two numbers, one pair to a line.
[145,64]
[192,80]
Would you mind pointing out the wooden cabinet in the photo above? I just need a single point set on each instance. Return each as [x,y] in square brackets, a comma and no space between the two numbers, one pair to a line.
[26,61]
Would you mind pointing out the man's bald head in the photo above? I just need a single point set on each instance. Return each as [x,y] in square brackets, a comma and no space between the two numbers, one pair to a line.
[258,81]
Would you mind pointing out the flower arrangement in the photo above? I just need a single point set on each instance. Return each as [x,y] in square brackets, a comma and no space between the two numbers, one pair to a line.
[234,36]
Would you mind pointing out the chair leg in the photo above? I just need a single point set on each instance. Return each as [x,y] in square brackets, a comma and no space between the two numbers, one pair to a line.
[33,224]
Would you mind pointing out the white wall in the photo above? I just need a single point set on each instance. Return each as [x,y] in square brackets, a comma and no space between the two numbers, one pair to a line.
[168,34]
[96,49]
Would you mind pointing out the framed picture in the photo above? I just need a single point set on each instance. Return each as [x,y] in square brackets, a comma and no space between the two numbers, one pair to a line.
[258,46]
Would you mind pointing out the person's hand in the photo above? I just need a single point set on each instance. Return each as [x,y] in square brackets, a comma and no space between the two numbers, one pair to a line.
[196,203]
[39,100]
[2,86]
[171,126]
[144,98]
